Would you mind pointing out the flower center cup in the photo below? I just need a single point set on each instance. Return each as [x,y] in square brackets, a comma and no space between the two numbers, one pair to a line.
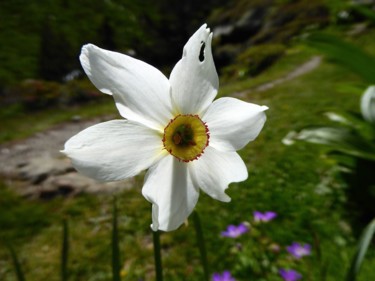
[186,137]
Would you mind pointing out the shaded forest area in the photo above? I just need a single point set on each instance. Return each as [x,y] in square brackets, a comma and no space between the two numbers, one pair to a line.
[42,39]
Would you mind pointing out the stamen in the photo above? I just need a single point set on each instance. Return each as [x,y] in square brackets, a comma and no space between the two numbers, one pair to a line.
[177,138]
[186,137]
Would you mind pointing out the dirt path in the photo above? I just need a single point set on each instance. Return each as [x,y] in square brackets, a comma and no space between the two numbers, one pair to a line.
[36,168]
[308,66]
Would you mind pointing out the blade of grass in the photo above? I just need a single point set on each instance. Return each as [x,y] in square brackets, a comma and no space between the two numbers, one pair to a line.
[362,247]
[17,265]
[201,244]
[157,255]
[115,245]
[65,251]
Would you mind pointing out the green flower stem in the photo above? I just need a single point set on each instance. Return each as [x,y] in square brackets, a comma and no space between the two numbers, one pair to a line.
[157,255]
[65,251]
[201,245]
[17,265]
[115,246]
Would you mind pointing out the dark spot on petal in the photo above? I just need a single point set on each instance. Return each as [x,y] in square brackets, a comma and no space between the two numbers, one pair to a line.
[201,52]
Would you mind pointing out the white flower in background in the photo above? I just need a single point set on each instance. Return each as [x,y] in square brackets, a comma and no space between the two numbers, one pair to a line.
[172,128]
[368,104]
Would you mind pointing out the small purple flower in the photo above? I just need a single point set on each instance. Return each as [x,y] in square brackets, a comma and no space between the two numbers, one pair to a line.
[298,250]
[226,276]
[290,274]
[235,231]
[264,217]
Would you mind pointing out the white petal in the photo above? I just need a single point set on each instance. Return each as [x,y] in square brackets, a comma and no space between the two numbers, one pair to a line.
[141,92]
[194,82]
[233,123]
[169,188]
[114,150]
[368,104]
[215,169]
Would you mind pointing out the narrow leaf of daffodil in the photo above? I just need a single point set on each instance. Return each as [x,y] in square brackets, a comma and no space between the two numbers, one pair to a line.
[362,247]
[65,251]
[16,264]
[201,244]
[115,246]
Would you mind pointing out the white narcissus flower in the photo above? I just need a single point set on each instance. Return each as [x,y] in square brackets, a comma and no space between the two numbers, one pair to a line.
[172,128]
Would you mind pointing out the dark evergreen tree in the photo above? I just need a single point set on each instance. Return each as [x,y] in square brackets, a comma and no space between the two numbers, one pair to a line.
[106,35]
[55,58]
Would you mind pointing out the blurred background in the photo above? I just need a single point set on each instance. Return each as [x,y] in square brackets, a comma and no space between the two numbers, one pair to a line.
[266,52]
[41,41]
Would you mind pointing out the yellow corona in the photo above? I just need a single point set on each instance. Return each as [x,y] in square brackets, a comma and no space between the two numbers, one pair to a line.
[186,137]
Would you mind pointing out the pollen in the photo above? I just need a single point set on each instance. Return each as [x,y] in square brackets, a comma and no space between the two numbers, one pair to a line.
[186,137]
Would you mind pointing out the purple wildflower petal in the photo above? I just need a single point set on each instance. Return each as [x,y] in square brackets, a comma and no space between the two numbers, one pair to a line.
[269,215]
[231,229]
[264,217]
[226,276]
[258,216]
[290,274]
[242,228]
[235,231]
[216,277]
[298,250]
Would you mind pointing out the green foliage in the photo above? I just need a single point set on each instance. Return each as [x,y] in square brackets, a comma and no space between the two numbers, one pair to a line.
[363,246]
[353,140]
[78,99]
[42,40]
[201,245]
[254,60]
[64,251]
[116,261]
[17,216]
[345,54]
[352,144]
[17,265]
[364,11]
[339,139]
[256,255]
[56,57]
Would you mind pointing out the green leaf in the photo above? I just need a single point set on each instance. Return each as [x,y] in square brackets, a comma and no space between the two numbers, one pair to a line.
[201,245]
[338,139]
[355,122]
[65,251]
[17,265]
[345,54]
[369,14]
[116,267]
[157,255]
[363,245]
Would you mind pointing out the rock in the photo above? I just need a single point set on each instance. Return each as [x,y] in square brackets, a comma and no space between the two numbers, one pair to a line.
[246,26]
[35,167]
[39,169]
[69,183]
[73,183]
